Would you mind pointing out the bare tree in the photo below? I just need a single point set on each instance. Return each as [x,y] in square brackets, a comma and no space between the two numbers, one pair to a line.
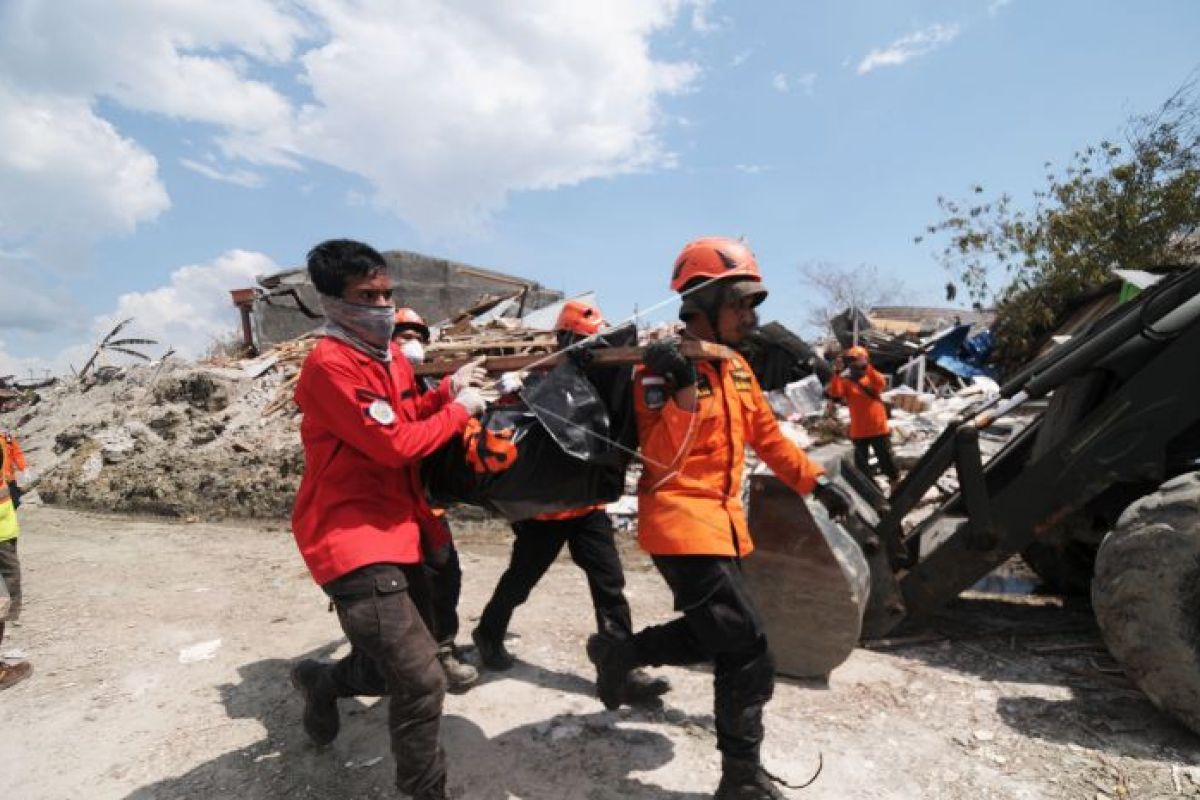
[838,287]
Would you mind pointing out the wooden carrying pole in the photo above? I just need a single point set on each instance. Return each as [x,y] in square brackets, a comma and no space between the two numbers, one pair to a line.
[602,357]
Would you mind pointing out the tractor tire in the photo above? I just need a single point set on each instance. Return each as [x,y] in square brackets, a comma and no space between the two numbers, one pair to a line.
[1146,595]
[1064,562]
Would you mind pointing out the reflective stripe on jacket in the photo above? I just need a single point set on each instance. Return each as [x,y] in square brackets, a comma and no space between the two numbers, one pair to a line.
[689,498]
[365,430]
[868,416]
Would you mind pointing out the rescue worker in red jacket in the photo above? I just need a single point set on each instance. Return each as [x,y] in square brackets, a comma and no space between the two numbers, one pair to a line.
[860,385]
[694,421]
[360,519]
[442,568]
[587,533]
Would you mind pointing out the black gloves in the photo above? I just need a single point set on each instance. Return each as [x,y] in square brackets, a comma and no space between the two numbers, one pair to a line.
[665,359]
[582,355]
[835,499]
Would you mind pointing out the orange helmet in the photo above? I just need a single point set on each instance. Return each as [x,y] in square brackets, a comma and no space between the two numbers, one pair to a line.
[713,257]
[857,351]
[409,320]
[579,317]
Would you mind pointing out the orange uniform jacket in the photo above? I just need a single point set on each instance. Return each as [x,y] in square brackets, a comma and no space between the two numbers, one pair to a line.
[868,416]
[689,499]
[573,513]
[14,458]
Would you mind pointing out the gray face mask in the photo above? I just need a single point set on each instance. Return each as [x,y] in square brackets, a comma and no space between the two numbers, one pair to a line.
[369,328]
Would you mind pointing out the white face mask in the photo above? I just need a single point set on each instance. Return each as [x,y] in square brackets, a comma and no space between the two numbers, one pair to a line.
[413,350]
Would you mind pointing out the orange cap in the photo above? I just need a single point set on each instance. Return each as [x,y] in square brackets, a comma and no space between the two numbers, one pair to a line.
[409,320]
[858,351]
[579,317]
[714,257]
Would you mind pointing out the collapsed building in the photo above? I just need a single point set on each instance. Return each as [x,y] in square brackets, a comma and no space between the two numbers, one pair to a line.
[286,305]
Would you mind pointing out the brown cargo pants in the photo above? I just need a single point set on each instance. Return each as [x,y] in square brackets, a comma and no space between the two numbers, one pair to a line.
[393,654]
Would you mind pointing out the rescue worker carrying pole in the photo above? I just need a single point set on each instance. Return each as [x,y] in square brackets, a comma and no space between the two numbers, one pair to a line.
[693,424]
[361,520]
[442,567]
[860,384]
[588,535]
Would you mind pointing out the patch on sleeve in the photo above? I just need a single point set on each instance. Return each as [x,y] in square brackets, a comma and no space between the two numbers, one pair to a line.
[742,381]
[376,408]
[703,387]
[654,392]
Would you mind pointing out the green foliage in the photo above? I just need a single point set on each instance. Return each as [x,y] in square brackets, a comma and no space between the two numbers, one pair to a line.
[1115,206]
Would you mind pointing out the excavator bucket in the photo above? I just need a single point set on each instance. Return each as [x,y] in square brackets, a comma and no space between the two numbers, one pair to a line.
[808,577]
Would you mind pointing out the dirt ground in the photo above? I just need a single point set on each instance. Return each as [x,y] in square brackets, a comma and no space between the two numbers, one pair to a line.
[162,652]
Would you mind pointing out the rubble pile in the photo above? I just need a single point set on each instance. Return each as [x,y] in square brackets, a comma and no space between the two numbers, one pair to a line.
[170,439]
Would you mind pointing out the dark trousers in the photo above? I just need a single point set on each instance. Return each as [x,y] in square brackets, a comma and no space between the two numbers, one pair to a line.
[538,542]
[10,579]
[393,654]
[444,581]
[882,445]
[720,625]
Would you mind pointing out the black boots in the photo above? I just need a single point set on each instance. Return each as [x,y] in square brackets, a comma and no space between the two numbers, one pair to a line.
[460,675]
[618,680]
[321,721]
[492,653]
[641,687]
[745,780]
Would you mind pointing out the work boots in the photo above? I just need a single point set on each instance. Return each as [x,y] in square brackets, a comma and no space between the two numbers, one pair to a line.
[12,674]
[641,687]
[460,675]
[745,780]
[493,654]
[614,659]
[321,721]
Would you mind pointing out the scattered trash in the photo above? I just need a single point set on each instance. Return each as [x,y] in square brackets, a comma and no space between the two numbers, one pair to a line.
[201,651]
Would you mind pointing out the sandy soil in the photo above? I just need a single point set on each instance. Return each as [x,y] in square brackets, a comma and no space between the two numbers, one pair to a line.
[1010,699]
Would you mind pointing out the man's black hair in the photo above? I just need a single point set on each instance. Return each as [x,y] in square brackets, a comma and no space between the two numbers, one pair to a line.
[332,263]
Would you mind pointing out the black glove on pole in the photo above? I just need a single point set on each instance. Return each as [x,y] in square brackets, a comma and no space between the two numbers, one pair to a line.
[665,359]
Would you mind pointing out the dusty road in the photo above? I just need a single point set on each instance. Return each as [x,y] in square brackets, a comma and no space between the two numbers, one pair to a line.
[162,651]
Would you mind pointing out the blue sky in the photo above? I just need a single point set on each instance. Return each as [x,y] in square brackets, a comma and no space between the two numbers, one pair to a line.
[173,154]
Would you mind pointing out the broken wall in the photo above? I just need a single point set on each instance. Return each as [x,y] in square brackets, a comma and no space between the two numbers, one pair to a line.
[288,305]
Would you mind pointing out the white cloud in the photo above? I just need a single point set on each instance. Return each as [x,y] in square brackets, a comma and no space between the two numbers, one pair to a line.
[906,48]
[18,366]
[741,57]
[995,6]
[68,178]
[194,308]
[446,109]
[806,83]
[238,177]
[752,169]
[191,311]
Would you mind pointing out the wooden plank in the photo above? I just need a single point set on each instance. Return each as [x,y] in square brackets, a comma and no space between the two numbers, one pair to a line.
[604,356]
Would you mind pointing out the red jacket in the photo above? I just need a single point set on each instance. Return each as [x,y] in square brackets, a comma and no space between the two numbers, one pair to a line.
[365,431]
